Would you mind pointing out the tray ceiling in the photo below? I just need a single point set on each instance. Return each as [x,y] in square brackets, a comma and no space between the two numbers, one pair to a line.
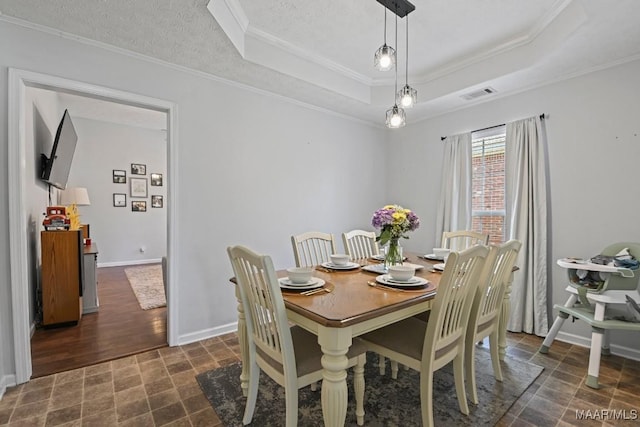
[321,52]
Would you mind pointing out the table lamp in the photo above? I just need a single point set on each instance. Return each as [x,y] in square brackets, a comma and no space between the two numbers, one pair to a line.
[74,197]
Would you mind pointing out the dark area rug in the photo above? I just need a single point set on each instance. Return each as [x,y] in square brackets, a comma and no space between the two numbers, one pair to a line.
[388,402]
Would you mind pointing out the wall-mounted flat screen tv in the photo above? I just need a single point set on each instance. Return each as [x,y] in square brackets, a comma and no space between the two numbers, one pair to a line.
[55,168]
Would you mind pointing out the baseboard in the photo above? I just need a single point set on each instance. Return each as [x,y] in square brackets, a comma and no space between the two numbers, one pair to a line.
[32,329]
[6,381]
[124,263]
[207,333]
[618,350]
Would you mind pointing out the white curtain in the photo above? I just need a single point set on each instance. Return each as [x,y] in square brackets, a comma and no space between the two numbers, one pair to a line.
[526,199]
[454,205]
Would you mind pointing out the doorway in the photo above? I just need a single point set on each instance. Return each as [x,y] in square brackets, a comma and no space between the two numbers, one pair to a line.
[19,80]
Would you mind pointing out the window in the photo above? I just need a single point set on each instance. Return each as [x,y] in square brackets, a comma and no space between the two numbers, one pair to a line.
[488,197]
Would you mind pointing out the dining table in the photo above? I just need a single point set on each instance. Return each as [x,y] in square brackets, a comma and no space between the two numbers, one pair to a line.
[351,304]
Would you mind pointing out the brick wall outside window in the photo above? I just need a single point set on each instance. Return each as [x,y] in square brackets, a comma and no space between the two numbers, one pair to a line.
[488,196]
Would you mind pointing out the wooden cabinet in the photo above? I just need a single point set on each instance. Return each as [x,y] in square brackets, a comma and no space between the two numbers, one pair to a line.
[62,277]
[90,291]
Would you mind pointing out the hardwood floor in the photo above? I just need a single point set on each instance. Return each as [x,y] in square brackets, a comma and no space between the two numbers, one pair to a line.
[119,328]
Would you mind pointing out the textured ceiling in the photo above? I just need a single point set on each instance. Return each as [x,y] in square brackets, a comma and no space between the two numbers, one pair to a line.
[456,46]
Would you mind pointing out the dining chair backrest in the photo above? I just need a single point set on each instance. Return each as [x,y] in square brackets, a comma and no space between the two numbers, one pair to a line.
[360,244]
[313,248]
[266,318]
[487,308]
[493,282]
[463,239]
[446,328]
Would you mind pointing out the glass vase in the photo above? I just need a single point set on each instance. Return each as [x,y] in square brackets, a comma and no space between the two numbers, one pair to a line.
[393,254]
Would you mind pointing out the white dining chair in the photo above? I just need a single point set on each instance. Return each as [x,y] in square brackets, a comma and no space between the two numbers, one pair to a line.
[360,244]
[428,346]
[463,239]
[313,248]
[486,308]
[290,355]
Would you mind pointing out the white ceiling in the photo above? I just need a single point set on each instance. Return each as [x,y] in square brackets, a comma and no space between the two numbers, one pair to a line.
[321,52]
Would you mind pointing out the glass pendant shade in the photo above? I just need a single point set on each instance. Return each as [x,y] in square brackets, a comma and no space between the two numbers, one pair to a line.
[407,97]
[395,117]
[385,58]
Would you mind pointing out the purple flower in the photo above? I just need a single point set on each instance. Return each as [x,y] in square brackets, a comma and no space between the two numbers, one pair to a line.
[394,221]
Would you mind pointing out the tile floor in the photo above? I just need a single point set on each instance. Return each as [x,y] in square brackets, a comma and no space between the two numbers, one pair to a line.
[158,388]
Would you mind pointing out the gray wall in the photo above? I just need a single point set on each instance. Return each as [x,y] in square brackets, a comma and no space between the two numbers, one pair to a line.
[119,232]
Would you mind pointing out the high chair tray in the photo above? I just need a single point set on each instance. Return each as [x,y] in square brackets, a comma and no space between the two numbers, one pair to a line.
[589,266]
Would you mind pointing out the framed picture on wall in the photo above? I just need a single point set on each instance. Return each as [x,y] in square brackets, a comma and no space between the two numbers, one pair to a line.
[156,201]
[156,180]
[139,205]
[138,169]
[138,187]
[119,177]
[119,200]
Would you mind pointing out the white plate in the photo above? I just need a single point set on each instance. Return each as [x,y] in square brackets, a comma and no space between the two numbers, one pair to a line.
[379,268]
[412,281]
[385,279]
[315,283]
[375,268]
[439,266]
[347,266]
[433,257]
[287,282]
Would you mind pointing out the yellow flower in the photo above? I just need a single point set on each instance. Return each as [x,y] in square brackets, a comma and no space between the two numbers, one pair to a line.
[390,207]
[399,217]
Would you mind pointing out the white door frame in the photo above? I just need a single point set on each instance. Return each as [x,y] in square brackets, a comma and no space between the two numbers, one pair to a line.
[19,80]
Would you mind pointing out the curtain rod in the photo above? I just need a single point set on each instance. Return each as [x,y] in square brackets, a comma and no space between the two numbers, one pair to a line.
[442,138]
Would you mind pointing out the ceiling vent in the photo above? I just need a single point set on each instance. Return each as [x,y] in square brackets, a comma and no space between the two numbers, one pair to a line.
[478,93]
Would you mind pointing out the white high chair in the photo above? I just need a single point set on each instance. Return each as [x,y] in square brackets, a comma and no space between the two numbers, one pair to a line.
[597,306]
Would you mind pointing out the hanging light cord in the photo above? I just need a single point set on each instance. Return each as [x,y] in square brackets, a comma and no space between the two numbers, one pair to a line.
[396,62]
[406,79]
[385,26]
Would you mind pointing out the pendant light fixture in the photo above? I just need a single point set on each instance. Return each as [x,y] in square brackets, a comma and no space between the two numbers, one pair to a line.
[385,56]
[408,96]
[395,115]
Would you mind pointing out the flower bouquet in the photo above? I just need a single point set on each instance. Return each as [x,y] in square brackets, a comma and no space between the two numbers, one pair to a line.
[394,222]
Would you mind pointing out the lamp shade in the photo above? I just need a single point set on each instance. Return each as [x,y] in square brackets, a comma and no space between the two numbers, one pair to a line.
[75,196]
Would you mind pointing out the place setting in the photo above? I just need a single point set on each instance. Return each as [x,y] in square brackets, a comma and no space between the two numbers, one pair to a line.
[300,280]
[400,278]
[439,254]
[339,262]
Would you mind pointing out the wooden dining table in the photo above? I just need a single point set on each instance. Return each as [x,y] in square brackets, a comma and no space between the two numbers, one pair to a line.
[352,307]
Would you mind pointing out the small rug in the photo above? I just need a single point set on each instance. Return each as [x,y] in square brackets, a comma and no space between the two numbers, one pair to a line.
[388,402]
[147,285]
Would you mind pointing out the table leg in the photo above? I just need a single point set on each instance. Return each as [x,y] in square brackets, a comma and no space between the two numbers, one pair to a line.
[244,345]
[335,343]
